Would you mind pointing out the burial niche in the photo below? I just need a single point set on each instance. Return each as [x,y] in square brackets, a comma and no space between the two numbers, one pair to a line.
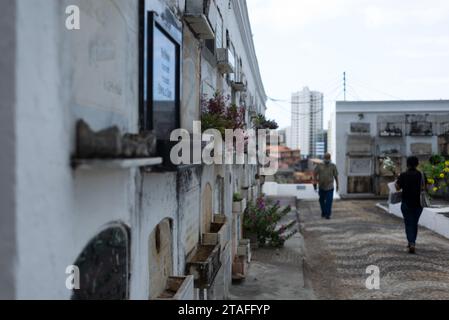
[160,245]
[207,209]
[104,266]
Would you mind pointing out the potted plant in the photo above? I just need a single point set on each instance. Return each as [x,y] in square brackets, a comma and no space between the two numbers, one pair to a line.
[217,113]
[238,203]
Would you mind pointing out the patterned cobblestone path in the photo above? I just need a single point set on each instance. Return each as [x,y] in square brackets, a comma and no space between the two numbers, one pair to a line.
[339,251]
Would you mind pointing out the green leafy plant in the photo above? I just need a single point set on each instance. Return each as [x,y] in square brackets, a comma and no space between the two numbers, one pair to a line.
[217,113]
[237,197]
[437,173]
[262,218]
[261,122]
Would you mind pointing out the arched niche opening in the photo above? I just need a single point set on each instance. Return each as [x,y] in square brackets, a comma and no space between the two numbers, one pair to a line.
[104,266]
[160,246]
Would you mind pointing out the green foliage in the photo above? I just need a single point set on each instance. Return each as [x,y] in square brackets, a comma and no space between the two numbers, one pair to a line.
[218,114]
[237,197]
[214,121]
[261,122]
[437,173]
[262,219]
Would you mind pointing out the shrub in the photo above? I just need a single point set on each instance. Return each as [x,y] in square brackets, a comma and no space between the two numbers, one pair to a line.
[218,114]
[261,122]
[237,197]
[262,219]
[437,173]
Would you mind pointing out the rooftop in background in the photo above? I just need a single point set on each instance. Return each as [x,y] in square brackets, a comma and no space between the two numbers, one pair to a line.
[281,149]
[393,106]
[316,161]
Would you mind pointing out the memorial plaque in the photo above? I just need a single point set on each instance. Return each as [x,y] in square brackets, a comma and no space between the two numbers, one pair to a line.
[445,129]
[419,125]
[443,145]
[389,149]
[164,84]
[419,149]
[360,167]
[391,126]
[360,128]
[390,129]
[360,145]
[360,185]
[421,129]
[382,186]
[160,73]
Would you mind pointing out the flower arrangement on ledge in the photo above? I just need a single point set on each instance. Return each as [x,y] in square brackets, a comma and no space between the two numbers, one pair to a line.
[437,173]
[217,113]
[261,122]
[390,166]
[262,219]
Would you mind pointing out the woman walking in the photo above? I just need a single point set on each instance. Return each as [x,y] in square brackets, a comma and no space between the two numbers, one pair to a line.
[411,184]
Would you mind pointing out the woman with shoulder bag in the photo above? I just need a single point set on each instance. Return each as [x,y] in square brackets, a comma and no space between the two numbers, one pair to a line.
[413,185]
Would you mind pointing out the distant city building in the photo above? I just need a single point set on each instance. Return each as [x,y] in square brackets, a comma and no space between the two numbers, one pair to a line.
[307,121]
[321,145]
[288,134]
[330,136]
[368,132]
[320,149]
[282,137]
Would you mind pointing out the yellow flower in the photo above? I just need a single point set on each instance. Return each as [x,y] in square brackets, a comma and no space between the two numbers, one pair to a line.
[447,163]
[446,170]
[431,181]
[442,176]
[435,189]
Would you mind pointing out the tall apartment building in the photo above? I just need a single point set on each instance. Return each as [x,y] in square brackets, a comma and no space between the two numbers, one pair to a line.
[288,137]
[321,145]
[330,136]
[307,121]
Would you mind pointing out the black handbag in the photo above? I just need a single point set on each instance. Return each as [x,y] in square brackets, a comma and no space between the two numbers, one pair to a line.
[396,197]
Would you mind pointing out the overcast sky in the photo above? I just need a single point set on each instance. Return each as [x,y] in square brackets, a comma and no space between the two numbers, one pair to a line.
[390,49]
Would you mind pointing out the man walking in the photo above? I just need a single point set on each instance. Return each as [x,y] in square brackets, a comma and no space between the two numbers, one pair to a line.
[324,175]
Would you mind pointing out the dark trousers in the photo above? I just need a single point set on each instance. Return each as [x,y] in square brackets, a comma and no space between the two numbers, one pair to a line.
[326,200]
[411,220]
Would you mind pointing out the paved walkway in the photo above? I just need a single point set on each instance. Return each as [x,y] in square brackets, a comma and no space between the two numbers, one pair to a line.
[276,274]
[339,251]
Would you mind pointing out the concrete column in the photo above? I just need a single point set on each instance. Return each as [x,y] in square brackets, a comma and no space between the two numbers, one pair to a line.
[7,149]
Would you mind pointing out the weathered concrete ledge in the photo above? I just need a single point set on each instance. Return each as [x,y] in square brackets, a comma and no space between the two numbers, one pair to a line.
[435,219]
